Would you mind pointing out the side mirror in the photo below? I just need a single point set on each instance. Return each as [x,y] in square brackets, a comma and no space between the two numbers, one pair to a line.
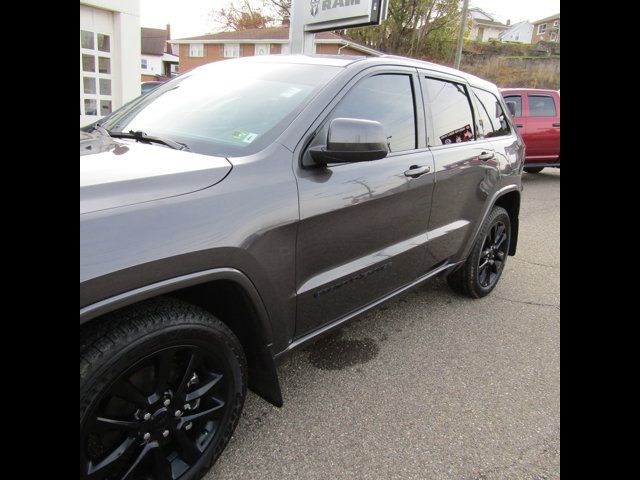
[511,106]
[352,140]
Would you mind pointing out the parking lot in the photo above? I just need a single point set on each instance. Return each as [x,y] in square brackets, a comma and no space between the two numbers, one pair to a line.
[430,385]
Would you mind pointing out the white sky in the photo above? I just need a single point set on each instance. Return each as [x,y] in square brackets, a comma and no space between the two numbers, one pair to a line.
[189,18]
[518,10]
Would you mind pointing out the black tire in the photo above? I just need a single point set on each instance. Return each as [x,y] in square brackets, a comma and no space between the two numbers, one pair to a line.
[467,280]
[162,342]
[533,169]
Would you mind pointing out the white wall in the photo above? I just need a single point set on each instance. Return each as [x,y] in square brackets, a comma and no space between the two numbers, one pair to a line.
[120,20]
[519,33]
[154,65]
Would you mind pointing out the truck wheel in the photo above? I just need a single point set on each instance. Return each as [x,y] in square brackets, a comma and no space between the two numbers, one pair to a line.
[480,273]
[533,169]
[162,386]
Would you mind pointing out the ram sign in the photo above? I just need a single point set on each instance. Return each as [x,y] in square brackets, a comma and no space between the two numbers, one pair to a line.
[337,14]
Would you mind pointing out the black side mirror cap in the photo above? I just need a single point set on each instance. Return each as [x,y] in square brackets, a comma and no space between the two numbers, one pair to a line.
[352,140]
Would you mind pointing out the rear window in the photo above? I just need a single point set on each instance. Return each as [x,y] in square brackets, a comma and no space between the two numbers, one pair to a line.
[541,106]
[451,113]
[493,121]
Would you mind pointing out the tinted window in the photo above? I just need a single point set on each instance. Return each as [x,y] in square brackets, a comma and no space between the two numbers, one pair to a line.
[541,106]
[518,101]
[493,121]
[387,99]
[450,112]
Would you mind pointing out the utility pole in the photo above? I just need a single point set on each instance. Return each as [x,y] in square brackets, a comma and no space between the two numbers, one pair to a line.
[463,26]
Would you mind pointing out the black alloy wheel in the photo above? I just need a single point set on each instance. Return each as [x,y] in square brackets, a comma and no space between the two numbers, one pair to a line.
[168,414]
[493,255]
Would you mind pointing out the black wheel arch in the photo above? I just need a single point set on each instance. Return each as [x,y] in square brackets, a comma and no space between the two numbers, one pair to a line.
[229,295]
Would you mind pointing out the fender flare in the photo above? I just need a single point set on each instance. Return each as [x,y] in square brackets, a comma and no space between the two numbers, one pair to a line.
[267,385]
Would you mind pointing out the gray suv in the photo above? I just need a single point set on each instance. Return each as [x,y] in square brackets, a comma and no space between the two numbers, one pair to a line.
[249,206]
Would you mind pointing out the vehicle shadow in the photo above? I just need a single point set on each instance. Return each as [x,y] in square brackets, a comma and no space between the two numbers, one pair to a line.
[548,176]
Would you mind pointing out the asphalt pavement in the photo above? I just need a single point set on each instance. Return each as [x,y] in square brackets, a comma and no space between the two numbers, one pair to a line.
[430,385]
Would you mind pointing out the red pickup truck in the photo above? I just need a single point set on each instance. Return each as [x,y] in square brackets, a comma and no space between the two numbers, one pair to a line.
[536,113]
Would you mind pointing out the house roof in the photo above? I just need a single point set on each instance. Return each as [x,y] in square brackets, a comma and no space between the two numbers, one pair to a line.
[153,41]
[489,23]
[548,19]
[270,35]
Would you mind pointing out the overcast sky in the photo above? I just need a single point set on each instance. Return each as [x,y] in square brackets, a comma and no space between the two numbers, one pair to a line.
[189,18]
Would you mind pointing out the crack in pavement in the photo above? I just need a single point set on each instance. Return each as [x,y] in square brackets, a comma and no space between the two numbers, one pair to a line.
[529,303]
[557,267]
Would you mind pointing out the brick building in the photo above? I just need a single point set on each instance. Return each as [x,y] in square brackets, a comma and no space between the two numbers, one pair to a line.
[547,29]
[196,51]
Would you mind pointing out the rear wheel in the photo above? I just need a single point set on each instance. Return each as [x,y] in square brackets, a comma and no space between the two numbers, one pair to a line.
[533,169]
[162,386]
[481,271]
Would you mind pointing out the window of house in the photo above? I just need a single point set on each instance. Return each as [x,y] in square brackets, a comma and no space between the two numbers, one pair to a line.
[555,23]
[451,113]
[387,99]
[88,63]
[517,99]
[95,73]
[263,49]
[196,50]
[492,119]
[143,63]
[542,28]
[554,36]
[231,50]
[541,106]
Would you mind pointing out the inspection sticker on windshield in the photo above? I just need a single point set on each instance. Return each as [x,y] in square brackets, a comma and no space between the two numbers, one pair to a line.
[290,92]
[242,136]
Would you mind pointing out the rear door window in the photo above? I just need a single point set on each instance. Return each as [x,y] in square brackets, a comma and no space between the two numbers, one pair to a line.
[493,121]
[541,106]
[451,113]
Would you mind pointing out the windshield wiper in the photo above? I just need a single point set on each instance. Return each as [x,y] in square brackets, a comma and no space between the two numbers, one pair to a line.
[142,137]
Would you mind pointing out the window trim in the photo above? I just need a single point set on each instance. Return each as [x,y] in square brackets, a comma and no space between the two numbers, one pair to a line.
[540,30]
[503,105]
[424,74]
[521,102]
[236,47]
[201,45]
[256,45]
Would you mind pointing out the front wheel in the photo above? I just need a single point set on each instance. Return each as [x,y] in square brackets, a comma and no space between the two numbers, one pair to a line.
[162,386]
[533,169]
[481,271]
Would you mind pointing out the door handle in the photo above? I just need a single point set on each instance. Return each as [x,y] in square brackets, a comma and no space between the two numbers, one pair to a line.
[484,156]
[555,124]
[519,125]
[416,170]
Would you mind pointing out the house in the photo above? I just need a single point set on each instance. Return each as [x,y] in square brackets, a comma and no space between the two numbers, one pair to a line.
[520,32]
[157,61]
[109,56]
[547,29]
[196,51]
[483,27]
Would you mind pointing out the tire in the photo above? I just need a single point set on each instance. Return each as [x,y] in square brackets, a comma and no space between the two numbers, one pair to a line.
[470,279]
[533,169]
[165,383]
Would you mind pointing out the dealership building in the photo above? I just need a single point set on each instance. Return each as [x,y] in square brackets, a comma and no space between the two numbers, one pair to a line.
[109,56]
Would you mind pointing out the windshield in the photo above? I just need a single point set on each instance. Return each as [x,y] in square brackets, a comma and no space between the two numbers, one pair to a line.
[225,108]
